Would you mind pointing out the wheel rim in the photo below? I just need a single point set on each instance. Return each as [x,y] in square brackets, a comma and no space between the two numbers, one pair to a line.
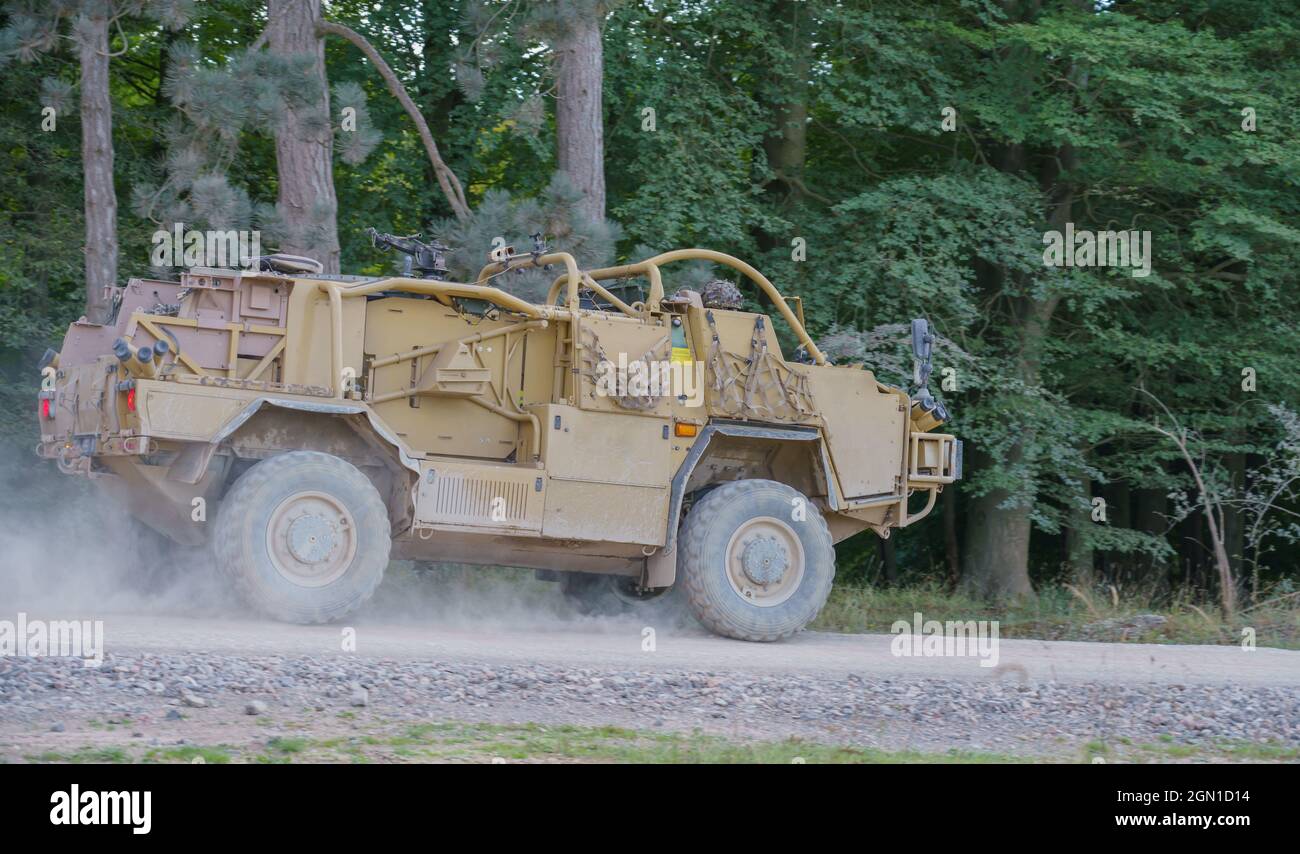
[311,539]
[765,561]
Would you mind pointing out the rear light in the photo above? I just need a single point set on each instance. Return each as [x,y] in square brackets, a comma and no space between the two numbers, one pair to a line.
[46,411]
[130,400]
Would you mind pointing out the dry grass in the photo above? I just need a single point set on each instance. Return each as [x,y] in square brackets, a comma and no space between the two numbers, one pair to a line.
[1069,613]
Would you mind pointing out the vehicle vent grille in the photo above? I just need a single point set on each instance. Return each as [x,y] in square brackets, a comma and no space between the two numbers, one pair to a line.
[455,498]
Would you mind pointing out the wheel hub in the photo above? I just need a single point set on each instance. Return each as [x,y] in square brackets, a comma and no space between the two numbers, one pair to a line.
[312,538]
[764,560]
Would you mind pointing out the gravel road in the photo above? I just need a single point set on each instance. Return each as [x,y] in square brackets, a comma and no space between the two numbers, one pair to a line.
[190,679]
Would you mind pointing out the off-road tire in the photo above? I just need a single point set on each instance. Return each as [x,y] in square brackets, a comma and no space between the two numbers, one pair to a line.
[242,537]
[702,566]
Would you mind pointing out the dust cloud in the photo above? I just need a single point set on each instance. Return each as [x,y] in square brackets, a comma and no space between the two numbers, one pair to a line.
[74,554]
[68,552]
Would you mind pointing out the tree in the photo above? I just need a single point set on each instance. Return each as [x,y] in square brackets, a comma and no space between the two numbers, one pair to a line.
[97,159]
[572,31]
[1211,500]
[579,109]
[32,32]
[447,180]
[308,206]
[939,145]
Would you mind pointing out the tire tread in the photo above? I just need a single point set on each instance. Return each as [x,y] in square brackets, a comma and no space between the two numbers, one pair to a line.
[692,556]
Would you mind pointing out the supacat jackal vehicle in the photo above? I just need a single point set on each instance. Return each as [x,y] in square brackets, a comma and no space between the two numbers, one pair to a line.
[308,427]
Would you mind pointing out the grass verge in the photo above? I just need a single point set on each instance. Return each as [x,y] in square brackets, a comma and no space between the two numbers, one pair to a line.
[1059,614]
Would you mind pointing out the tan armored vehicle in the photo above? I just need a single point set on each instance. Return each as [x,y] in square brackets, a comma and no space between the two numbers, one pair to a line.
[308,428]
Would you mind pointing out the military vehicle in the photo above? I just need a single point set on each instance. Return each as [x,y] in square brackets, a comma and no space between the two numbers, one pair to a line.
[308,428]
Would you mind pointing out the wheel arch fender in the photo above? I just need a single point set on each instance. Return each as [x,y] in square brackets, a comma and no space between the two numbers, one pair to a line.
[195,459]
[661,567]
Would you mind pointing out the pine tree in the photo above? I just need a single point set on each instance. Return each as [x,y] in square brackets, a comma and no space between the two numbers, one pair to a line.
[571,29]
[280,92]
[558,214]
[35,29]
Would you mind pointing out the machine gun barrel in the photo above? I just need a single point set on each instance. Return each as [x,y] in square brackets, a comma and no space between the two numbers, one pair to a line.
[425,260]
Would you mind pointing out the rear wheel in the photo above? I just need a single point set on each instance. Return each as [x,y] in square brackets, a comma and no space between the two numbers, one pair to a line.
[304,536]
[756,560]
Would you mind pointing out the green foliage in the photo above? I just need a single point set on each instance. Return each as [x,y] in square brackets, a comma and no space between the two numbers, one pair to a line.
[1113,117]
[500,220]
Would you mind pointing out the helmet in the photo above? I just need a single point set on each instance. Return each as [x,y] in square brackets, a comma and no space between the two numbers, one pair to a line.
[719,293]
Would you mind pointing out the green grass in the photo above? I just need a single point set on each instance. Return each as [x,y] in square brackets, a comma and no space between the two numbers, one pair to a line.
[280,744]
[480,742]
[510,743]
[1240,751]
[1165,749]
[568,743]
[189,753]
[85,756]
[1060,614]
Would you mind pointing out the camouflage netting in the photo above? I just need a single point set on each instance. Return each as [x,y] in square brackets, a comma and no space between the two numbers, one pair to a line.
[720,293]
[757,384]
[596,364]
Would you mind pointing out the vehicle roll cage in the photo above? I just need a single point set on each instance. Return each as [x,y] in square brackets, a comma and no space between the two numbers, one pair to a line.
[571,281]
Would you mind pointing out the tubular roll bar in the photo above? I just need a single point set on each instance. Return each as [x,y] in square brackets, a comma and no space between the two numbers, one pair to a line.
[650,269]
[337,291]
[570,280]
[573,274]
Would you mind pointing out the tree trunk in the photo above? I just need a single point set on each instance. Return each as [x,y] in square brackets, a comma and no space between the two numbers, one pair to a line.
[579,118]
[1119,514]
[443,30]
[1078,555]
[304,163]
[997,543]
[952,552]
[1191,550]
[1234,528]
[97,163]
[996,558]
[786,145]
[1151,507]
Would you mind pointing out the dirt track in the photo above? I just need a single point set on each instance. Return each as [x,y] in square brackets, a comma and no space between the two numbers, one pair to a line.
[617,643]
[171,679]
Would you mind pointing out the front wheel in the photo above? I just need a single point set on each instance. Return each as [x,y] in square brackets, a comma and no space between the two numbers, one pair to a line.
[756,560]
[304,536]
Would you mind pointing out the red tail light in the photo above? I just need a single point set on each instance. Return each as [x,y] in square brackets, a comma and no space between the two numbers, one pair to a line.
[130,400]
[46,413]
